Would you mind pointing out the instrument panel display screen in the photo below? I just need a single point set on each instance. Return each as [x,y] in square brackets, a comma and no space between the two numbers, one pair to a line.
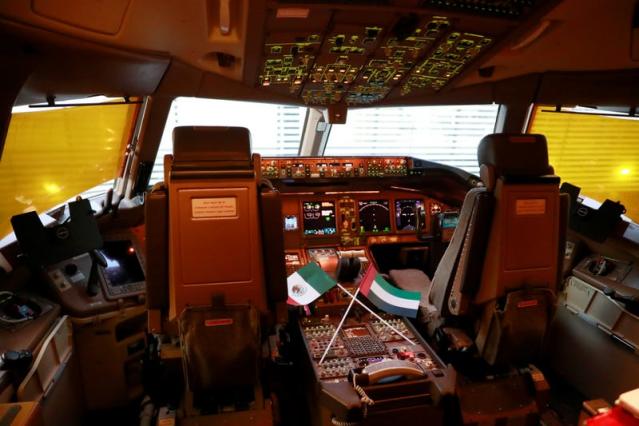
[374,216]
[406,215]
[449,220]
[123,266]
[319,218]
[290,223]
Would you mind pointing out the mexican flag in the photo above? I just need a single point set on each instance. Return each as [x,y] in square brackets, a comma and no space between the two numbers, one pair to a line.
[387,297]
[307,284]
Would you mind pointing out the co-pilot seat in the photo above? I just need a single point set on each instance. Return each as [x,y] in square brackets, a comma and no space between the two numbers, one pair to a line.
[495,284]
[207,215]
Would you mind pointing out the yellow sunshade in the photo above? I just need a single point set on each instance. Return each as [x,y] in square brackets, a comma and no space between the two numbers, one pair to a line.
[600,154]
[51,156]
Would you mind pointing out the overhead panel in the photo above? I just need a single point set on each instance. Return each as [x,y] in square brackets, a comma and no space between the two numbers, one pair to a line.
[344,54]
[288,60]
[394,60]
[362,54]
[448,59]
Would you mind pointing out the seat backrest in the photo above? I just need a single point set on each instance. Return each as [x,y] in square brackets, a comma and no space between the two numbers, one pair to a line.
[458,272]
[214,232]
[501,266]
[516,294]
[525,232]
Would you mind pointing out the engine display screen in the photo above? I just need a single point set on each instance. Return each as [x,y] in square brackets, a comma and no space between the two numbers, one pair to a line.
[449,220]
[374,216]
[406,215]
[123,266]
[290,223]
[319,217]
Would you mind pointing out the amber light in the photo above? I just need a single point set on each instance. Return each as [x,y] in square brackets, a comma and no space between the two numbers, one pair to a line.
[597,153]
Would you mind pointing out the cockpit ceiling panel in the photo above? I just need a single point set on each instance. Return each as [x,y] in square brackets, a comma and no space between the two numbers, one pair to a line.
[363,57]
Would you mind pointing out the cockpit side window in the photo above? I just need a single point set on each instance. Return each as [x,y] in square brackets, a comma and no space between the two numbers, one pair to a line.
[595,149]
[54,154]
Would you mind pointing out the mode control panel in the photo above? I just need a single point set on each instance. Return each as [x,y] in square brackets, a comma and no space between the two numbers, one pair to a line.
[327,167]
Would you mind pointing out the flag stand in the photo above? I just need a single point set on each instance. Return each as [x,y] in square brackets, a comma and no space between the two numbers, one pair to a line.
[339,326]
[386,323]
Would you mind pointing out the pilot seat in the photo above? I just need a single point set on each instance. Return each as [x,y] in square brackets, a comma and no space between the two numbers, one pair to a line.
[492,295]
[207,289]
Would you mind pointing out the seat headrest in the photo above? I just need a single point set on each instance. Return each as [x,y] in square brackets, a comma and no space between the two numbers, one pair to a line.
[214,144]
[515,154]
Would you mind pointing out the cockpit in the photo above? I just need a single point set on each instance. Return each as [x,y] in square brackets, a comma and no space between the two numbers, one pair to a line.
[233,212]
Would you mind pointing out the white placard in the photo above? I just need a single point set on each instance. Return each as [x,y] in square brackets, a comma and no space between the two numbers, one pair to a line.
[214,207]
[531,206]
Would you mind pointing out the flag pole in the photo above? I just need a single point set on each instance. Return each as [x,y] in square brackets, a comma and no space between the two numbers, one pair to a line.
[339,326]
[386,323]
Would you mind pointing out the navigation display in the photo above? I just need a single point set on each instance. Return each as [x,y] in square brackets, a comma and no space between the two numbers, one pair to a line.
[123,266]
[374,216]
[319,217]
[406,215]
[449,220]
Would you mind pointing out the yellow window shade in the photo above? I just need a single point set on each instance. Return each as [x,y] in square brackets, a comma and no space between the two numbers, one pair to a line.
[51,156]
[600,154]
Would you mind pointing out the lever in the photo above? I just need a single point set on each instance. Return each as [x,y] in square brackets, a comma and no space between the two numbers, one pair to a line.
[420,218]
[97,259]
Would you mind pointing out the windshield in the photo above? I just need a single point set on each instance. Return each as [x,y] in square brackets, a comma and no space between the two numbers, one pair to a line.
[276,130]
[54,154]
[443,134]
[597,153]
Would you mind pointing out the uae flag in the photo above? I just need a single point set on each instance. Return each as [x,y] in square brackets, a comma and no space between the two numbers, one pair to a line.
[307,284]
[387,297]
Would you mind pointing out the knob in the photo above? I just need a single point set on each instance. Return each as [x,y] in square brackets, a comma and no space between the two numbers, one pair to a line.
[71,269]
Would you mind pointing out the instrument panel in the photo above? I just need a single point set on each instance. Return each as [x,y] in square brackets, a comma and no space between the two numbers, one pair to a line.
[345,214]
[359,218]
[334,167]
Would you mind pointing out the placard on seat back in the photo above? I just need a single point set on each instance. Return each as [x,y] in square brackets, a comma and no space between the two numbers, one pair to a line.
[214,233]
